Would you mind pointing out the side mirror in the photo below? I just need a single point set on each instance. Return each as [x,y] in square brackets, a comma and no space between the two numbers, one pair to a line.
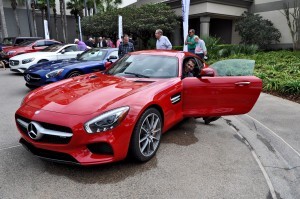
[207,72]
[63,51]
[112,57]
[107,65]
[78,55]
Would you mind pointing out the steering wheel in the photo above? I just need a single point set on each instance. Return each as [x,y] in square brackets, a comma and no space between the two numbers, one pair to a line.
[148,71]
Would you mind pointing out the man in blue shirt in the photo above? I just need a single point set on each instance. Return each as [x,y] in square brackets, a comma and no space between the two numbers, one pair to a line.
[125,47]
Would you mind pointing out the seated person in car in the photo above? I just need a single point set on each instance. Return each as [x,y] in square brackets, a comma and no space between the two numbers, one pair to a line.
[190,69]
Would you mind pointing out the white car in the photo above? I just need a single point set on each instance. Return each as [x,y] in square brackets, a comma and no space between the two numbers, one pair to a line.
[22,62]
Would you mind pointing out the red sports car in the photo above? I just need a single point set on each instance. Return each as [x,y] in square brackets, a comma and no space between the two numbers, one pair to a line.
[29,47]
[102,117]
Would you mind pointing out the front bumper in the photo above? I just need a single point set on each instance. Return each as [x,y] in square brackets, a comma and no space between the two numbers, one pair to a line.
[82,148]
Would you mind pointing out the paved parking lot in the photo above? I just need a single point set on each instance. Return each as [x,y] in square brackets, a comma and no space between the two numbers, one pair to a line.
[194,161]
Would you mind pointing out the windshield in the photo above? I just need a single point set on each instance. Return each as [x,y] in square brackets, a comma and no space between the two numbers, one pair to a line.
[52,48]
[152,66]
[234,67]
[93,55]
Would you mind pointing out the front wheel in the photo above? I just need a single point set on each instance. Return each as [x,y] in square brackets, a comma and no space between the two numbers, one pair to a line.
[146,135]
[74,74]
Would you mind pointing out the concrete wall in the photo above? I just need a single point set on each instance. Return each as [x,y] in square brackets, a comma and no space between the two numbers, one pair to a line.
[272,10]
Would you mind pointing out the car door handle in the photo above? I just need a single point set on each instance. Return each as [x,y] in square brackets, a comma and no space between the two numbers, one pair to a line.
[242,83]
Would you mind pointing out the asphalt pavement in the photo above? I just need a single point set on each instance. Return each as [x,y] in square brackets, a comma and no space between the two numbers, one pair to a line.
[194,160]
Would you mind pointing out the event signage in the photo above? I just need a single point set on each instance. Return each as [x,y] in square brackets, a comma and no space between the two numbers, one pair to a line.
[185,19]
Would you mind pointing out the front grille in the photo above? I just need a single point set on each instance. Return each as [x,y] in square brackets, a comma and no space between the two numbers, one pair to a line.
[14,62]
[52,155]
[46,138]
[32,77]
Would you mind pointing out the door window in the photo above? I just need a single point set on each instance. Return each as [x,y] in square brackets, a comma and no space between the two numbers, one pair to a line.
[114,53]
[234,67]
[71,48]
[40,43]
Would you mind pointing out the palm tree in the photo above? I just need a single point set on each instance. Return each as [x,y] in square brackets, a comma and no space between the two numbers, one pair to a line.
[63,18]
[14,4]
[76,7]
[53,6]
[3,28]
[33,6]
[108,5]
[90,6]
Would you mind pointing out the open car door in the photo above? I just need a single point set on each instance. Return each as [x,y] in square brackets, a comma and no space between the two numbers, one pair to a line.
[229,89]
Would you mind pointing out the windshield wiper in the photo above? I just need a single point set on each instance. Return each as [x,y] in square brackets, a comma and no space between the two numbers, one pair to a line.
[136,74]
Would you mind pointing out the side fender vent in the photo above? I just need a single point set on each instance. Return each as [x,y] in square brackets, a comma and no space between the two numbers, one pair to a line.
[176,98]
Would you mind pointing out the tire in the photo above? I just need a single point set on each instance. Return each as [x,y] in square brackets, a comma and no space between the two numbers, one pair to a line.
[208,120]
[146,136]
[74,74]
[42,60]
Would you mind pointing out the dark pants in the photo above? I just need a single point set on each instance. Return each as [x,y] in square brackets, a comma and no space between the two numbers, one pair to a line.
[201,55]
[191,50]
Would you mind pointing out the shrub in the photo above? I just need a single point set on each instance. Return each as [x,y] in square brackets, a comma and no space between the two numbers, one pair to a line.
[253,29]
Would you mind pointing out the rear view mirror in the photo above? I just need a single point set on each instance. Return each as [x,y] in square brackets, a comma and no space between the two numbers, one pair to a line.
[207,72]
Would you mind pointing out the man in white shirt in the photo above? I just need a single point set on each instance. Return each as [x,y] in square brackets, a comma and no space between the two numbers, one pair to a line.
[162,41]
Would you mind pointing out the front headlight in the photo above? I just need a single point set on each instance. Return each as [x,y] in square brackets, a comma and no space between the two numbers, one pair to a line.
[106,121]
[11,52]
[25,61]
[54,73]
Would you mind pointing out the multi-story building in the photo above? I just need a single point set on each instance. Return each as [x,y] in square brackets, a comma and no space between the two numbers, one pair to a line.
[217,17]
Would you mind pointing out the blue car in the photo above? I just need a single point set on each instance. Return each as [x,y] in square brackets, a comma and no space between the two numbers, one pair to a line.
[89,61]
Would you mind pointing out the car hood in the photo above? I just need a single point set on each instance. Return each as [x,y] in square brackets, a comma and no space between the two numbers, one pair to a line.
[33,54]
[86,94]
[52,65]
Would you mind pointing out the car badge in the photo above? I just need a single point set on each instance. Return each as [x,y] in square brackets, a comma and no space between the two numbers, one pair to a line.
[27,77]
[33,132]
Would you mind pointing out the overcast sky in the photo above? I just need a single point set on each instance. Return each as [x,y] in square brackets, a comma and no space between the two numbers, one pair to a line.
[127,2]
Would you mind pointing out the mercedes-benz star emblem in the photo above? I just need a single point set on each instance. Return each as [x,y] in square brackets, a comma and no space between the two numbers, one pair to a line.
[27,77]
[33,132]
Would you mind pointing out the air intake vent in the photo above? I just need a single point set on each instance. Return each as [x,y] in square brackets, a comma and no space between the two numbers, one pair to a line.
[176,98]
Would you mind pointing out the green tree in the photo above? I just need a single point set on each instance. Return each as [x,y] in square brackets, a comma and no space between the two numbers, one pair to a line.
[140,21]
[14,4]
[63,19]
[3,27]
[76,7]
[253,29]
[293,21]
